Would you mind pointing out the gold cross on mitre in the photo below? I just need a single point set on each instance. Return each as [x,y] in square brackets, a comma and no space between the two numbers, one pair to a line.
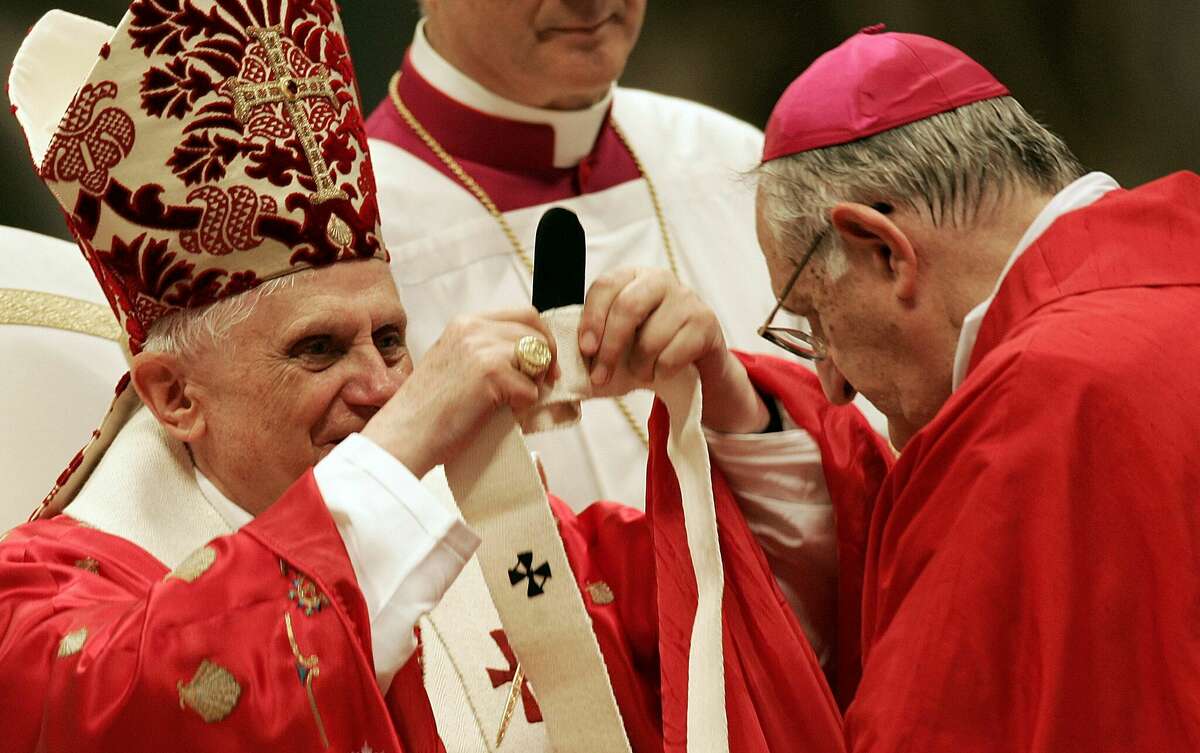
[291,91]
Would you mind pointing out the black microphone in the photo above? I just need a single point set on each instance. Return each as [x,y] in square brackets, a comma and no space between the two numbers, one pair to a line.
[558,260]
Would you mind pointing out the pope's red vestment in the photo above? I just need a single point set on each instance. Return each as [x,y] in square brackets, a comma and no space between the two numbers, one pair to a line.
[262,641]
[1033,562]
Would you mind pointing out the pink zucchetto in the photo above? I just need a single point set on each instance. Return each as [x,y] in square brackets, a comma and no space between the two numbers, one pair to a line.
[874,81]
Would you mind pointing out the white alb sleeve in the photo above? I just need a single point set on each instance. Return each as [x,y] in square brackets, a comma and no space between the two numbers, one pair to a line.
[405,545]
[780,485]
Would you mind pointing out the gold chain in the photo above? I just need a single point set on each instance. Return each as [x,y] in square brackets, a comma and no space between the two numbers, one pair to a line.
[477,191]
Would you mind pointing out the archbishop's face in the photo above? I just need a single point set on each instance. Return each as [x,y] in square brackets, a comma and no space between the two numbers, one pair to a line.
[310,365]
[550,53]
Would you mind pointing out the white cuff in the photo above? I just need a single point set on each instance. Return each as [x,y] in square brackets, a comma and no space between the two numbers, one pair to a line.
[780,486]
[405,546]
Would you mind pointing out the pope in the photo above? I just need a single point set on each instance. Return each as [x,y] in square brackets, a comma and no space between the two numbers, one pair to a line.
[1028,572]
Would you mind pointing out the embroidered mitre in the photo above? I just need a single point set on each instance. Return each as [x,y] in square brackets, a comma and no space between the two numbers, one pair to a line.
[198,149]
[215,144]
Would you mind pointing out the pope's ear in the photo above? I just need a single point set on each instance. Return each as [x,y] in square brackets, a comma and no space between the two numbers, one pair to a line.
[162,383]
[867,232]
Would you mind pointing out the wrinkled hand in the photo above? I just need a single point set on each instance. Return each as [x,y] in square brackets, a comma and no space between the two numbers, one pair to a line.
[641,324]
[468,375]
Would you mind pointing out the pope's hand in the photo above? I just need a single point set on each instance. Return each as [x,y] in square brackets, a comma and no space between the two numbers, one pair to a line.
[466,376]
[646,323]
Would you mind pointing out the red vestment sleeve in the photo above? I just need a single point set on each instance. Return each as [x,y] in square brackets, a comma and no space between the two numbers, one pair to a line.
[259,641]
[855,461]
[777,697]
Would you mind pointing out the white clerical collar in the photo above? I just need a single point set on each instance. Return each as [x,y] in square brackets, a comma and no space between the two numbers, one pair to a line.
[235,516]
[575,131]
[1079,194]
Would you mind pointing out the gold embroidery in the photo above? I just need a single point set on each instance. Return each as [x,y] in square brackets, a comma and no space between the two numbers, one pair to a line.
[511,704]
[195,565]
[308,671]
[72,643]
[462,679]
[212,693]
[38,309]
[89,564]
[304,592]
[290,91]
[338,232]
[600,592]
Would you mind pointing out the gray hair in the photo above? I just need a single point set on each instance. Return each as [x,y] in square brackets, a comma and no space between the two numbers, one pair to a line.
[945,165]
[186,331]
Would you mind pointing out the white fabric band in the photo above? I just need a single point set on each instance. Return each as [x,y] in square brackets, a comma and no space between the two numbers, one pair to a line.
[500,494]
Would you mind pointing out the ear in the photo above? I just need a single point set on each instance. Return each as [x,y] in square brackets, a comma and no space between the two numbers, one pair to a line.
[868,233]
[161,381]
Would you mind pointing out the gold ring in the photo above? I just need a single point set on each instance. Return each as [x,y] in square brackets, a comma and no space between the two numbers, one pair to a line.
[533,356]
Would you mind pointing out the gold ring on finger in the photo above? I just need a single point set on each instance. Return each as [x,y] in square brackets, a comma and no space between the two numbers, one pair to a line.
[533,356]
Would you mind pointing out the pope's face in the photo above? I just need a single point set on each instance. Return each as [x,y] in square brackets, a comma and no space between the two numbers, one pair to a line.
[311,365]
[544,53]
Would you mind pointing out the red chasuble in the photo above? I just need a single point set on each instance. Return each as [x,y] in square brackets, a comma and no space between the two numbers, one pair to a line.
[259,641]
[777,698]
[1033,562]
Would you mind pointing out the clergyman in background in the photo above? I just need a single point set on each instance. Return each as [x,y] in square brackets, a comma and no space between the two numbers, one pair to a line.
[502,109]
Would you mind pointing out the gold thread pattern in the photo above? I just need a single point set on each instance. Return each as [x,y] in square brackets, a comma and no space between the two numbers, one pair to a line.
[89,564]
[462,680]
[212,693]
[306,595]
[308,671]
[72,643]
[338,232]
[37,309]
[601,593]
[480,195]
[291,91]
[194,566]
[510,705]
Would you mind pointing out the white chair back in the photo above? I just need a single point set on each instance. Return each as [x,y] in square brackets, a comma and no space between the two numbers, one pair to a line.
[59,362]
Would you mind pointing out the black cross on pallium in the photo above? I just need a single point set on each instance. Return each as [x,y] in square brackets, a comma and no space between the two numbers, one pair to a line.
[526,570]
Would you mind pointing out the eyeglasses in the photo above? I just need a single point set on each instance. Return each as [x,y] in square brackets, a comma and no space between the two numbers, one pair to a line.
[795,341]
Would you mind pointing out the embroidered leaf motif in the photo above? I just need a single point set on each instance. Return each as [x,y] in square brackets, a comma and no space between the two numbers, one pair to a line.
[203,158]
[212,692]
[600,592]
[195,565]
[171,91]
[216,114]
[161,27]
[89,564]
[152,29]
[201,290]
[72,643]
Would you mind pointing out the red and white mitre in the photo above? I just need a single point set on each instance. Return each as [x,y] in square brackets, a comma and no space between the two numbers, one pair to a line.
[204,147]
